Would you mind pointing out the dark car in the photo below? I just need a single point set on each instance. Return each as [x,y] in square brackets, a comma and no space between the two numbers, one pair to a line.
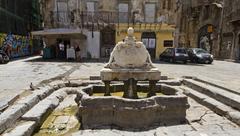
[3,57]
[199,55]
[174,55]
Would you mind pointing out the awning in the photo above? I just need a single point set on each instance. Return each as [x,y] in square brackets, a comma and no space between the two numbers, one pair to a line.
[60,31]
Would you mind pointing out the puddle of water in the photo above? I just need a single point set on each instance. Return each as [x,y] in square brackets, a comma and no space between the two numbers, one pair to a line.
[60,123]
[120,94]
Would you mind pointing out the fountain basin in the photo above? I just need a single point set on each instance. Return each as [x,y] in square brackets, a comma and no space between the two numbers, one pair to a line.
[110,111]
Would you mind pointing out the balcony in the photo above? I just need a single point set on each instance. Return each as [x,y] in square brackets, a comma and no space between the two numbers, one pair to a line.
[234,17]
[88,19]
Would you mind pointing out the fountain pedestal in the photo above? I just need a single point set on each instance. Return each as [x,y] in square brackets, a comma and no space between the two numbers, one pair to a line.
[130,77]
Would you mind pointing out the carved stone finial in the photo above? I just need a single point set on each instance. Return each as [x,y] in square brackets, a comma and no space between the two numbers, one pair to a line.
[130,32]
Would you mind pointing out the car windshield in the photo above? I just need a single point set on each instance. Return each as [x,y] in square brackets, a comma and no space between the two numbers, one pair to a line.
[182,51]
[199,51]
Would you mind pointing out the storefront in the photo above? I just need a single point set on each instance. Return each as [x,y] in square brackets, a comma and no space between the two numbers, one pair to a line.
[58,43]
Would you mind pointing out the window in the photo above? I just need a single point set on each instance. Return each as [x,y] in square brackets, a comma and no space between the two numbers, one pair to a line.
[91,6]
[168,43]
[123,12]
[169,4]
[150,10]
[183,51]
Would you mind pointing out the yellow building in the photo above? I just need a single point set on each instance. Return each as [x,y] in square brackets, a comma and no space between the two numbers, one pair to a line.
[156,37]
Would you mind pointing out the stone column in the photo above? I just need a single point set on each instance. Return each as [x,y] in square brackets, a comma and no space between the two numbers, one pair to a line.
[133,83]
[126,85]
[107,88]
[152,88]
[130,89]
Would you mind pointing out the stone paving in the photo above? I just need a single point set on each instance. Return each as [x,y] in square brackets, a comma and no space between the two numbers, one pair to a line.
[16,77]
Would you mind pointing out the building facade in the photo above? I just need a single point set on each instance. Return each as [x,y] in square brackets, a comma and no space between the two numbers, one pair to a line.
[97,25]
[18,19]
[210,24]
[230,45]
[199,24]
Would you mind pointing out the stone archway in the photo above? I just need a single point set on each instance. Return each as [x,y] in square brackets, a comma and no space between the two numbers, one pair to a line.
[204,37]
[238,47]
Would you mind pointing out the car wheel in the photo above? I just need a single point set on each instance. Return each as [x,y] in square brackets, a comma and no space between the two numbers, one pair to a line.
[172,60]
[210,62]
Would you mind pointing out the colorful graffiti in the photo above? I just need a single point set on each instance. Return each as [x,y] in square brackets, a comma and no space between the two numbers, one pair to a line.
[16,45]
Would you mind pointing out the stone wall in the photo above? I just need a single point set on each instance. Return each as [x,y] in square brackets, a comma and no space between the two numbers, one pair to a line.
[99,112]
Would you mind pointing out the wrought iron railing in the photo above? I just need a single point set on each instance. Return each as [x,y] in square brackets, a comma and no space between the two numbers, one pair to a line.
[85,18]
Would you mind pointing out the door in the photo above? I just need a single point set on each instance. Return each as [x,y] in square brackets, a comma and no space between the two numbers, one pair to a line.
[107,42]
[149,40]
[239,47]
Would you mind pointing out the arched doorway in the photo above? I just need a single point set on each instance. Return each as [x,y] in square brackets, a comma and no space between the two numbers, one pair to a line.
[204,37]
[238,45]
[149,40]
[107,41]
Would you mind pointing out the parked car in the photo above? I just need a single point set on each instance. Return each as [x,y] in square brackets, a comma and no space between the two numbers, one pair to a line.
[3,57]
[174,54]
[199,55]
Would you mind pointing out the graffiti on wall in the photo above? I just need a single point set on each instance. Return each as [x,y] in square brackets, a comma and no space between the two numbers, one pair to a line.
[16,45]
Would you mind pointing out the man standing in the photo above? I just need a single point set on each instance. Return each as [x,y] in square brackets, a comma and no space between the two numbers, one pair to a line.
[61,50]
[78,53]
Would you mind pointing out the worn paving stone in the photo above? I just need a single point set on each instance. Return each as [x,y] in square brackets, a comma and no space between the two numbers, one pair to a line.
[69,101]
[43,92]
[23,129]
[38,112]
[30,100]
[235,117]
[60,94]
[61,120]
[9,116]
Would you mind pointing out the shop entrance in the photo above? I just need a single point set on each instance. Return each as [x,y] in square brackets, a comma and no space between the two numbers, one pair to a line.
[239,47]
[149,40]
[107,41]
[61,49]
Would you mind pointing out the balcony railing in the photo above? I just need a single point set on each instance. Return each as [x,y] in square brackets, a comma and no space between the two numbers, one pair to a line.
[84,18]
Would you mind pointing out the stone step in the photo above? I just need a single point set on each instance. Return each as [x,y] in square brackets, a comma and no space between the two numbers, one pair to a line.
[219,94]
[23,129]
[224,87]
[216,106]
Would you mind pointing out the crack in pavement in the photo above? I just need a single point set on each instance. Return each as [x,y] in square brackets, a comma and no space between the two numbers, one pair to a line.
[201,117]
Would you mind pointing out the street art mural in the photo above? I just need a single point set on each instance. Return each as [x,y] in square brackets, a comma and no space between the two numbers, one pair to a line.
[16,45]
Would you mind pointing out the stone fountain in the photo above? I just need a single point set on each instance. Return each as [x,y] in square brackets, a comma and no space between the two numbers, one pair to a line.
[130,62]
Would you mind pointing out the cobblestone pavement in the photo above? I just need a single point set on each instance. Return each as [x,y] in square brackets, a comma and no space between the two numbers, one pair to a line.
[17,75]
